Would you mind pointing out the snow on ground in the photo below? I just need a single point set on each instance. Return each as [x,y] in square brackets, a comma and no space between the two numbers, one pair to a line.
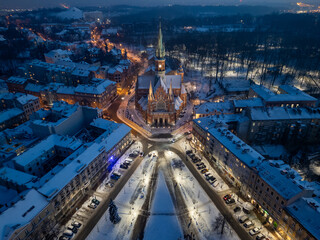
[162,226]
[202,210]
[129,201]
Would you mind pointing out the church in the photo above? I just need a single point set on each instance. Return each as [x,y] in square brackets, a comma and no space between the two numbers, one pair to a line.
[161,96]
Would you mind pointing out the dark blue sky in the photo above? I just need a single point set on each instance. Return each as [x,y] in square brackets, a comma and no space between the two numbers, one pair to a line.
[55,3]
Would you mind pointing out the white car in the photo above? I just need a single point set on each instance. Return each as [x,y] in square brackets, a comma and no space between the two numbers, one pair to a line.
[254,231]
[173,140]
[92,205]
[260,236]
[248,224]
[68,233]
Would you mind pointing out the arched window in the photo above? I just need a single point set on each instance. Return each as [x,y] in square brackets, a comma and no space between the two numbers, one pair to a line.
[161,105]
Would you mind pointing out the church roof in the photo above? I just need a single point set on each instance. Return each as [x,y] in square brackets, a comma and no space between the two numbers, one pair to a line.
[143,102]
[144,82]
[177,103]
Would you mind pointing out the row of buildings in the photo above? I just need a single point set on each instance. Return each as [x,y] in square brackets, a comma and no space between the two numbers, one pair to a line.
[16,108]
[226,132]
[66,154]
[273,189]
[97,94]
[60,69]
[269,118]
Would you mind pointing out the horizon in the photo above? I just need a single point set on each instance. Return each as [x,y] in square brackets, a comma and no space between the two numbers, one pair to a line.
[36,4]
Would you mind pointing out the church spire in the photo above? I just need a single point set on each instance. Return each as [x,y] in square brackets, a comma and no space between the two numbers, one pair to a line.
[150,96]
[170,91]
[160,51]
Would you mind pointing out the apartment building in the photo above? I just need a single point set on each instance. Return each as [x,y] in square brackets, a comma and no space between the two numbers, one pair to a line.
[272,192]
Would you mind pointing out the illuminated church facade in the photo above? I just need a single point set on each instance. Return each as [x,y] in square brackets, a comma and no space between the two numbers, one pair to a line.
[161,97]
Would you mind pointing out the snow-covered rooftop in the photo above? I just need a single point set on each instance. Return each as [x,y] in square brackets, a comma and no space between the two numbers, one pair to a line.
[10,113]
[63,177]
[15,176]
[286,187]
[307,212]
[105,124]
[25,98]
[94,89]
[251,102]
[235,84]
[288,94]
[44,146]
[17,80]
[235,145]
[210,107]
[281,113]
[21,213]
[144,81]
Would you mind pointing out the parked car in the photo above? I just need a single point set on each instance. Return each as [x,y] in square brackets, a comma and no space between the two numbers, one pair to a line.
[230,201]
[188,152]
[173,140]
[109,184]
[72,228]
[76,224]
[243,219]
[133,155]
[212,181]
[127,162]
[92,205]
[237,209]
[226,197]
[201,167]
[248,224]
[199,164]
[212,178]
[260,236]
[68,233]
[124,166]
[95,201]
[115,176]
[64,238]
[254,231]
[203,171]
[196,160]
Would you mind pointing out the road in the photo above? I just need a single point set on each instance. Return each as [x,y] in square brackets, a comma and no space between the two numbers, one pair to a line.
[103,206]
[215,198]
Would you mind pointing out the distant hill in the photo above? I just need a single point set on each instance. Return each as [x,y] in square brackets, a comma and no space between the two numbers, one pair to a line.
[178,11]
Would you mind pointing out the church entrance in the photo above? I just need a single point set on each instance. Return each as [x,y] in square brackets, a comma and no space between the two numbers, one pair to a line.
[166,122]
[156,122]
[161,122]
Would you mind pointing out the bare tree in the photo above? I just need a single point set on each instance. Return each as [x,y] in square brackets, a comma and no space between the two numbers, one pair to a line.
[221,226]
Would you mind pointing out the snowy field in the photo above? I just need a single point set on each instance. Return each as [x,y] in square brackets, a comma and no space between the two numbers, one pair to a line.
[162,223]
[202,210]
[129,202]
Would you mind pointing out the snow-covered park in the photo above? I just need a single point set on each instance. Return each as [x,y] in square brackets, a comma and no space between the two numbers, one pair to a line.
[162,223]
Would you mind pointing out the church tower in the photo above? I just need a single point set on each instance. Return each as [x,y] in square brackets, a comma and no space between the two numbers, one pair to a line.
[160,55]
